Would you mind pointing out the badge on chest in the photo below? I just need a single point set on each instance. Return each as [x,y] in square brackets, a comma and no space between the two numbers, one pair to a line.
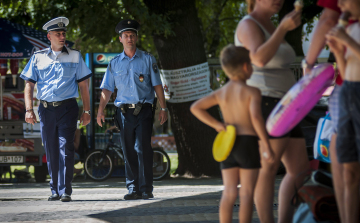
[141,78]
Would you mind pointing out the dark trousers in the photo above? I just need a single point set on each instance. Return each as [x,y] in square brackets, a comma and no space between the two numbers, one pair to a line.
[136,143]
[58,125]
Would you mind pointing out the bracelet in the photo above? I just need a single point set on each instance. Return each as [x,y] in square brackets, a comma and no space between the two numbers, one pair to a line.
[29,110]
[306,65]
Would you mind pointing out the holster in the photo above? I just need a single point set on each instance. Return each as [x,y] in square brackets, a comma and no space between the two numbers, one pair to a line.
[137,109]
[115,119]
[123,108]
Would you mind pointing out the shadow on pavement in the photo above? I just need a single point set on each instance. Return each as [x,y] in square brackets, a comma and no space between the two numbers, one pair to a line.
[197,208]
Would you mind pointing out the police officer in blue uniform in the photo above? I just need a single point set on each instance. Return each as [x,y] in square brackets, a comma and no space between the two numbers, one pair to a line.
[58,72]
[136,76]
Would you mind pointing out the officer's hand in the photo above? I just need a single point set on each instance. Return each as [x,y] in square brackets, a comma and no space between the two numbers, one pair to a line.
[100,117]
[30,117]
[85,119]
[162,117]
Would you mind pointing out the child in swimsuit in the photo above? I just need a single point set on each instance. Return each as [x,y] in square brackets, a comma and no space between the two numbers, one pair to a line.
[348,139]
[240,105]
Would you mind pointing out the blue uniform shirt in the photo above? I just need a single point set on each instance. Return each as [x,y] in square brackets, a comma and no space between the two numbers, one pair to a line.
[133,77]
[56,76]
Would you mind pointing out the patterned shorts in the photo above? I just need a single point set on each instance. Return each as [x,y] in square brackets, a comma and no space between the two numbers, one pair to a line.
[334,107]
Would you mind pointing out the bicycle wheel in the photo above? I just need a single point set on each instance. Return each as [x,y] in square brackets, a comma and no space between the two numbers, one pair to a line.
[161,164]
[97,166]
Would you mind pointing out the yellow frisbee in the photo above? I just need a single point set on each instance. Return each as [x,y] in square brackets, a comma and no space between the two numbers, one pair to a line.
[224,143]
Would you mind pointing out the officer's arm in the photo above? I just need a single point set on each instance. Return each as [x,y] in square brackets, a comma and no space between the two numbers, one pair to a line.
[28,95]
[85,96]
[160,95]
[104,99]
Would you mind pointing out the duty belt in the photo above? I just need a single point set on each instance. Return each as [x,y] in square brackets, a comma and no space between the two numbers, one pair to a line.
[55,103]
[133,105]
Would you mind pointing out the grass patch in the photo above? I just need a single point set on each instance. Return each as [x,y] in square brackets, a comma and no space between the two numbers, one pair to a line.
[13,168]
[173,161]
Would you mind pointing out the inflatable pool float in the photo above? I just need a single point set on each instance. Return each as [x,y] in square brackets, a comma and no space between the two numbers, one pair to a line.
[299,100]
[224,143]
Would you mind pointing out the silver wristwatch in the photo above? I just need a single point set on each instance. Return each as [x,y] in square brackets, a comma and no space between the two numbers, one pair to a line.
[87,112]
[164,109]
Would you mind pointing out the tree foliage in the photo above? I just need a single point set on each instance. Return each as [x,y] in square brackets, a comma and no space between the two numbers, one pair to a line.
[92,22]
[219,19]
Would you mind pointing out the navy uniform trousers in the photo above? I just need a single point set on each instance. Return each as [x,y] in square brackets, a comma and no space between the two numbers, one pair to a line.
[135,136]
[58,126]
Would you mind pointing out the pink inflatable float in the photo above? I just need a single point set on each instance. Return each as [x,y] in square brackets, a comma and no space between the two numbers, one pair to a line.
[299,100]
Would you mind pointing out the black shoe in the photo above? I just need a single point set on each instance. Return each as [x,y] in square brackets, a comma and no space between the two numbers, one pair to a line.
[54,197]
[147,195]
[132,196]
[65,198]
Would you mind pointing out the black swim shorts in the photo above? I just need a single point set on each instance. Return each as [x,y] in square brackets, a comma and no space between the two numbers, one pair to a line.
[245,153]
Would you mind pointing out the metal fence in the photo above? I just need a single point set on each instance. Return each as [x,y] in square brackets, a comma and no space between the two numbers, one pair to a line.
[296,68]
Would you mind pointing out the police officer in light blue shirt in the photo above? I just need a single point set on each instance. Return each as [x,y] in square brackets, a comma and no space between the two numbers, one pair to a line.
[57,71]
[136,76]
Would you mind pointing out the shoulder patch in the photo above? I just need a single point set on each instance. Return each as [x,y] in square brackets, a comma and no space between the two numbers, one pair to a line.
[155,67]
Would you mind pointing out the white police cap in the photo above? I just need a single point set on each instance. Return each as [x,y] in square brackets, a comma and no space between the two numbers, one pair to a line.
[58,23]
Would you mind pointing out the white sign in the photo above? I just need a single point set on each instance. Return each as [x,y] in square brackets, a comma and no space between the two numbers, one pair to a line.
[186,84]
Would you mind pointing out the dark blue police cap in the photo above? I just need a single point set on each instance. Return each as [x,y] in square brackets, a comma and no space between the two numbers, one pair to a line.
[58,23]
[127,25]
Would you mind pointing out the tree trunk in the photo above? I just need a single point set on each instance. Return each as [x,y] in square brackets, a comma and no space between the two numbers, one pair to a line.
[193,138]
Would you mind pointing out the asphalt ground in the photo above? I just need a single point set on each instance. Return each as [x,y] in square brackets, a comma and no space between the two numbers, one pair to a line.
[176,200]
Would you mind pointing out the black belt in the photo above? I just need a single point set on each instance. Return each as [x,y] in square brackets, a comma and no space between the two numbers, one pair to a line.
[133,105]
[56,103]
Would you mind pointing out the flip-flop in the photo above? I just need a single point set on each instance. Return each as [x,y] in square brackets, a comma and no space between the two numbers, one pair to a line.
[224,143]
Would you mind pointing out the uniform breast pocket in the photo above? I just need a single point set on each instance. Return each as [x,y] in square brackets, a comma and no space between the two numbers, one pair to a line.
[121,79]
[44,70]
[69,69]
[142,79]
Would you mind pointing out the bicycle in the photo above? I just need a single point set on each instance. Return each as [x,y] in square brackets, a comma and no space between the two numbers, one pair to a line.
[99,163]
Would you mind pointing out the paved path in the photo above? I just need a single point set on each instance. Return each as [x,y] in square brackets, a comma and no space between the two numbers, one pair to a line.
[176,200]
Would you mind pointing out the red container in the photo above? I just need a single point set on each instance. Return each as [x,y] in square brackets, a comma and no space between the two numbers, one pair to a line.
[3,67]
[14,66]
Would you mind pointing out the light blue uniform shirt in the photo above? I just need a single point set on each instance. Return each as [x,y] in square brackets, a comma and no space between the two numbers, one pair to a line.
[56,76]
[126,74]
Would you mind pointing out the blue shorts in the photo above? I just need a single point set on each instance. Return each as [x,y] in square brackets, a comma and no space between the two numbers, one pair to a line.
[334,107]
[348,139]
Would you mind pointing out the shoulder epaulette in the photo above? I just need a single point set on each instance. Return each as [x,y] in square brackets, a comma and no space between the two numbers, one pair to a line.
[41,51]
[115,57]
[75,49]
[147,53]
